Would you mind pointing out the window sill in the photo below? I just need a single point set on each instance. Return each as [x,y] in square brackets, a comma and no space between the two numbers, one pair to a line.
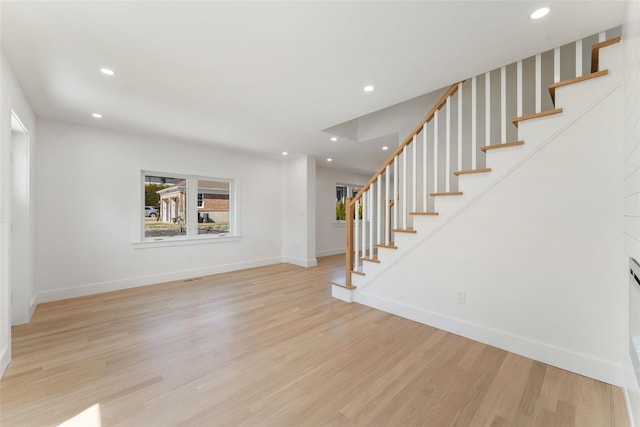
[185,241]
[339,224]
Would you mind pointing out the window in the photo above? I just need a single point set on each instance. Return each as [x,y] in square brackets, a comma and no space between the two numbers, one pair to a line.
[185,206]
[342,192]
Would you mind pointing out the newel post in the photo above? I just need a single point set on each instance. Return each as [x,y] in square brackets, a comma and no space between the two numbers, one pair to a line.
[349,250]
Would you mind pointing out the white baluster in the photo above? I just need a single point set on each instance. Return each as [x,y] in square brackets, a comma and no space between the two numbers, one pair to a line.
[503,105]
[519,89]
[538,84]
[380,205]
[414,159]
[602,36]
[487,108]
[387,193]
[435,152]
[579,58]
[424,168]
[459,126]
[371,219]
[556,65]
[365,199]
[474,125]
[356,235]
[447,147]
[405,194]
[396,192]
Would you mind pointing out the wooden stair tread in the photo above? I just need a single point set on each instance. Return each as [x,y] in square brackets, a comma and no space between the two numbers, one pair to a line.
[504,145]
[595,52]
[470,171]
[370,260]
[404,230]
[359,273]
[380,245]
[535,116]
[424,213]
[450,193]
[552,87]
[341,281]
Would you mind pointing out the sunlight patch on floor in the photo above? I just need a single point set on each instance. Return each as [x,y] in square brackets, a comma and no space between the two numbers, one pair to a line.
[90,417]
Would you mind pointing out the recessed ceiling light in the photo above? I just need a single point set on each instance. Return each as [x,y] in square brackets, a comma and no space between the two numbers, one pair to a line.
[368,88]
[284,153]
[107,71]
[333,138]
[385,148]
[540,13]
[329,159]
[97,115]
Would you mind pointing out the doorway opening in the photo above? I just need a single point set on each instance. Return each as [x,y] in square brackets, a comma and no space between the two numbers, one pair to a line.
[20,246]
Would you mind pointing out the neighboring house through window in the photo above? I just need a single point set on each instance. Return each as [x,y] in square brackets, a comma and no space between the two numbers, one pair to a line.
[186,206]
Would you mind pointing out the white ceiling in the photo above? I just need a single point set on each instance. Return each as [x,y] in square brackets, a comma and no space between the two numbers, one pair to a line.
[268,76]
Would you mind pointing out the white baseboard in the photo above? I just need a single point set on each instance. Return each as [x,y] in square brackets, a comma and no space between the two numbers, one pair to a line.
[33,304]
[565,359]
[301,262]
[329,252]
[116,285]
[4,360]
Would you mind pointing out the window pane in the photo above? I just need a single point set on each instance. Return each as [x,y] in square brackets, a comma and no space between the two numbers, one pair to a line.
[165,200]
[341,194]
[213,213]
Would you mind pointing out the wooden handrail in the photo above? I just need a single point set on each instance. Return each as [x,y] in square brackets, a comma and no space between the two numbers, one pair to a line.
[452,90]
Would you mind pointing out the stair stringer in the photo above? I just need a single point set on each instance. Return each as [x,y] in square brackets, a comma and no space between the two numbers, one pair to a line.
[539,255]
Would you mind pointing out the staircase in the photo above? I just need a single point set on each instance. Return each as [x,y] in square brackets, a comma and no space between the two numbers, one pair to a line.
[448,168]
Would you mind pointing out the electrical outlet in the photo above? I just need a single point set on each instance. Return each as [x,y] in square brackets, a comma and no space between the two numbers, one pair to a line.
[460,298]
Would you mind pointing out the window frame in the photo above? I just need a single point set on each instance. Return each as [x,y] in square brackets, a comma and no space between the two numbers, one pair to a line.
[191,211]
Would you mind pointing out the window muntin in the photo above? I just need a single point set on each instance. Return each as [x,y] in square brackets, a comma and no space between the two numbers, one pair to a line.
[185,206]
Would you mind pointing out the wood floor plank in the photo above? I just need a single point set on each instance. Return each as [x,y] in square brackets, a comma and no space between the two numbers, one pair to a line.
[269,346]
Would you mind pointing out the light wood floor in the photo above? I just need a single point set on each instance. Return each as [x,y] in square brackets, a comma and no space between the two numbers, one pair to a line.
[269,346]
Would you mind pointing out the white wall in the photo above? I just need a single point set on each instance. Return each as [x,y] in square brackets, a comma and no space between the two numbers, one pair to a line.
[298,182]
[539,255]
[330,235]
[631,43]
[89,205]
[11,98]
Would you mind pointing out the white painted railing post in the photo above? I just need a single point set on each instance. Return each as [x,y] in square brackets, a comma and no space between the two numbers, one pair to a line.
[396,184]
[356,235]
[387,193]
[414,173]
[602,36]
[459,126]
[579,58]
[380,205]
[474,124]
[404,194]
[371,212]
[365,198]
[487,108]
[556,65]
[538,83]
[447,148]
[503,105]
[519,89]
[435,152]
[425,190]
